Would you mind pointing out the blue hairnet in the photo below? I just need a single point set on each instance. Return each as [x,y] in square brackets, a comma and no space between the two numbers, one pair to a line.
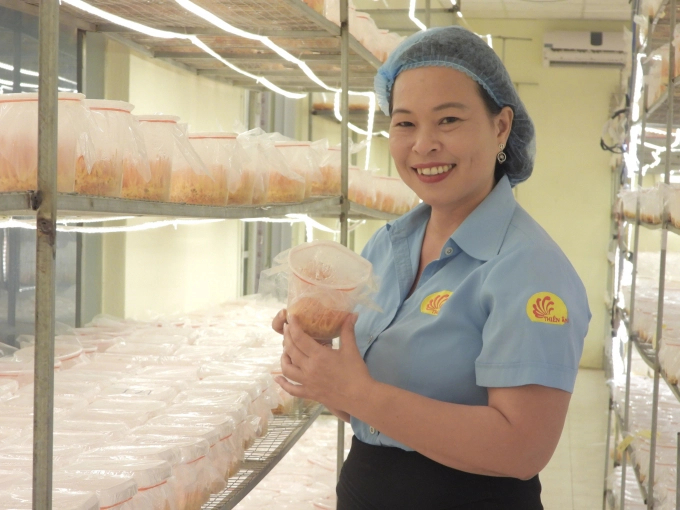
[460,49]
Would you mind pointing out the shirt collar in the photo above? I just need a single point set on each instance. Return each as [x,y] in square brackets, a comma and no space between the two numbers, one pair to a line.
[481,234]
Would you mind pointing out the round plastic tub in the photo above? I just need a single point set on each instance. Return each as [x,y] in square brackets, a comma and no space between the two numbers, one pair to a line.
[153,477]
[158,132]
[20,499]
[19,141]
[112,490]
[121,167]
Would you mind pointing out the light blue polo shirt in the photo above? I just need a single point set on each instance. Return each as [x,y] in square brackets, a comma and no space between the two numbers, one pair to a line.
[501,307]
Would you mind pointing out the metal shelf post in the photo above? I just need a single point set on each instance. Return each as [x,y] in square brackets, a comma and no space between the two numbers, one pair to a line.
[43,413]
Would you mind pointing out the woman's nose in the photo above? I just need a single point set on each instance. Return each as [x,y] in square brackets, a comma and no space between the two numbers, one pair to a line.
[425,142]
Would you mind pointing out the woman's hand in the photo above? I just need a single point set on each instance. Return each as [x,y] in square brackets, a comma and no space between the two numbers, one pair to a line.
[336,378]
[278,321]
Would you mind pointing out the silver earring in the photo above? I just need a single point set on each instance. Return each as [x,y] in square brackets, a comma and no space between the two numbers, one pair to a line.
[501,157]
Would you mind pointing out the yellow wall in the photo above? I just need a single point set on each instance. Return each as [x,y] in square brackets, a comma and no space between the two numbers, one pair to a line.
[171,270]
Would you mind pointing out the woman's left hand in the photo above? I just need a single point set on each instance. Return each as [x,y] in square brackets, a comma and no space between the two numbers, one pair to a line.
[336,378]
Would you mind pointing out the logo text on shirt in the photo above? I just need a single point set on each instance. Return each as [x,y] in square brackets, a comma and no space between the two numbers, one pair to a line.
[547,308]
[434,302]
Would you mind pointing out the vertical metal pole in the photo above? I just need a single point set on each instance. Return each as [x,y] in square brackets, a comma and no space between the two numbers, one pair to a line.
[13,280]
[344,168]
[631,305]
[662,262]
[606,450]
[80,60]
[16,74]
[43,412]
[80,85]
[677,475]
[428,13]
[310,117]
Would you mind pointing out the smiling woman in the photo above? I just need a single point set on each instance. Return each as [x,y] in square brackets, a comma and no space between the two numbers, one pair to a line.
[457,384]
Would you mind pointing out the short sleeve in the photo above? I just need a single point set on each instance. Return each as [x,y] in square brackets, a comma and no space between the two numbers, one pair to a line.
[537,321]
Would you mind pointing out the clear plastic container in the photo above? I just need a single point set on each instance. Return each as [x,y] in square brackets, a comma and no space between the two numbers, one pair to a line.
[324,287]
[112,490]
[113,145]
[8,389]
[216,150]
[361,188]
[151,476]
[194,473]
[86,390]
[159,133]
[152,407]
[62,403]
[329,168]
[19,141]
[69,354]
[192,182]
[115,414]
[302,160]
[144,349]
[674,205]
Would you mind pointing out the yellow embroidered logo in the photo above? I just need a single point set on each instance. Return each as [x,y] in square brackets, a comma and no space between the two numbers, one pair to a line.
[434,302]
[547,308]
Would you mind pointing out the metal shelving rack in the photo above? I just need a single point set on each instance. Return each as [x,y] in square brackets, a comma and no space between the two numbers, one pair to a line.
[328,49]
[662,113]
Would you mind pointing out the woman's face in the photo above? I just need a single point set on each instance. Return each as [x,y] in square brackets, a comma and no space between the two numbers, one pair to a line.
[443,140]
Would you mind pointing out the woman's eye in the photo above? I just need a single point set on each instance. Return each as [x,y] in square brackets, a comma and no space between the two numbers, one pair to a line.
[404,123]
[449,120]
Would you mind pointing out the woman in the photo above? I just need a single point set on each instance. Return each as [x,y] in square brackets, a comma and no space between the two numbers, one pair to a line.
[457,393]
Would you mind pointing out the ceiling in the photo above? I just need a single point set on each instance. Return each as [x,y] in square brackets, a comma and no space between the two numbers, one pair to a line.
[519,9]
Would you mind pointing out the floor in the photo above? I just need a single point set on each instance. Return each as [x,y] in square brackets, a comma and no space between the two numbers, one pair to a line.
[574,478]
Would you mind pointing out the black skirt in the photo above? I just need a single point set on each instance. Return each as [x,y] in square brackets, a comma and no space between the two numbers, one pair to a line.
[385,478]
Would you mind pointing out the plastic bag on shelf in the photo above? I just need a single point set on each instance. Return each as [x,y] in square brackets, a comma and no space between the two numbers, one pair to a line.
[628,202]
[217,151]
[19,141]
[329,167]
[67,350]
[649,8]
[325,282]
[283,185]
[317,5]
[119,152]
[651,204]
[160,132]
[361,187]
[191,181]
[301,158]
[20,499]
[673,204]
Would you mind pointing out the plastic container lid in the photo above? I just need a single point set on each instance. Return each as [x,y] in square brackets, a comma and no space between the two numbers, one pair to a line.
[147,473]
[213,134]
[112,426]
[130,448]
[128,404]
[190,449]
[82,389]
[152,339]
[143,349]
[293,143]
[209,433]
[318,263]
[185,373]
[224,424]
[112,490]
[61,402]
[20,499]
[158,118]
[129,418]
[99,367]
[107,104]
[237,411]
[143,391]
[33,96]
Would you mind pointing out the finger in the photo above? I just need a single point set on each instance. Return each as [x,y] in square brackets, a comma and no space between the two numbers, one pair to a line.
[348,340]
[279,320]
[291,348]
[292,372]
[293,389]
[302,340]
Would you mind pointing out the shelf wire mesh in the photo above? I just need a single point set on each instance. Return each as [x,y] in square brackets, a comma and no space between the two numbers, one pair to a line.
[284,431]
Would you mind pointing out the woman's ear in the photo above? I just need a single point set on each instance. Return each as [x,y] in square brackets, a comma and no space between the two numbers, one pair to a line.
[503,123]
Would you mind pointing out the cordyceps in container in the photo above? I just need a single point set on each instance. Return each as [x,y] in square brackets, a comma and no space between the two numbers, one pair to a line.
[325,282]
[19,141]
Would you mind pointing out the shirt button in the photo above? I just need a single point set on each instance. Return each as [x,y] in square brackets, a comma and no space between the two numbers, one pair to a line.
[448,251]
[371,430]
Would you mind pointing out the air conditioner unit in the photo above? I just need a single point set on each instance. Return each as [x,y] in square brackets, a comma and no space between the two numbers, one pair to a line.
[584,49]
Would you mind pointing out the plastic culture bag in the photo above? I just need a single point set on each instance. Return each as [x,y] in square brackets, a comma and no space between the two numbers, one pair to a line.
[361,187]
[19,141]
[329,168]
[282,185]
[326,281]
[651,204]
[191,182]
[216,151]
[114,147]
[159,133]
[303,160]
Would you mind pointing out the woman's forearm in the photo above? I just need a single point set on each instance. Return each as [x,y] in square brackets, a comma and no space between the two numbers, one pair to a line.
[340,414]
[476,439]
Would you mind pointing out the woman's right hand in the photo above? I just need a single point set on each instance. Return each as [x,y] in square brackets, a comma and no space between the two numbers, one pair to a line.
[280,319]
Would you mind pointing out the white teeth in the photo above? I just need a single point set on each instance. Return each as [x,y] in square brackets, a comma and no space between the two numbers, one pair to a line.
[434,170]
